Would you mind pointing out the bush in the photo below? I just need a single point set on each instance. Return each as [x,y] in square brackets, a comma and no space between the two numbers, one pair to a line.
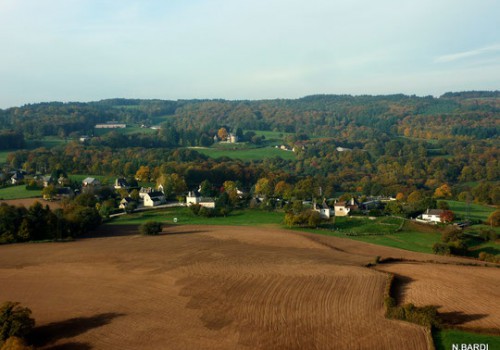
[15,321]
[151,228]
[483,256]
[488,235]
[441,249]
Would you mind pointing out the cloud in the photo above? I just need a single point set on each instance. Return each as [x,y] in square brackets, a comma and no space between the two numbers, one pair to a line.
[466,54]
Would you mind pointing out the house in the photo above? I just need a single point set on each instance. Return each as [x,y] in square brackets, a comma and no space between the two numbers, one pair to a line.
[121,183]
[111,125]
[344,208]
[84,139]
[91,182]
[47,180]
[232,138]
[125,202]
[63,181]
[324,210]
[343,149]
[154,198]
[17,178]
[194,197]
[432,215]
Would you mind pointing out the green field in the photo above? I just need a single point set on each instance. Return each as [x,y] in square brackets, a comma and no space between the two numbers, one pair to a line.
[186,217]
[476,211]
[247,153]
[412,237]
[18,192]
[444,339]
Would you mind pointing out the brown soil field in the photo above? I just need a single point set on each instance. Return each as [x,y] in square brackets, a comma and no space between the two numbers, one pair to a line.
[467,296]
[206,287]
[27,202]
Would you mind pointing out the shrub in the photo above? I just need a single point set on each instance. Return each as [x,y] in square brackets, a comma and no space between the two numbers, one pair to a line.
[15,321]
[483,256]
[488,235]
[151,228]
[494,219]
[441,249]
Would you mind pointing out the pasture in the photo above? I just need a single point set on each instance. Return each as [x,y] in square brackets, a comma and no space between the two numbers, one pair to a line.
[185,216]
[473,211]
[18,192]
[246,154]
[413,237]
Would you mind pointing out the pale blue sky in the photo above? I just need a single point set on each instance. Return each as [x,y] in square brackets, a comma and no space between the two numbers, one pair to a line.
[83,50]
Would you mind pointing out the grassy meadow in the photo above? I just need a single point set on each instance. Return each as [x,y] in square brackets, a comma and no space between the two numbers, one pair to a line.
[381,231]
[246,153]
[18,192]
[475,211]
[186,217]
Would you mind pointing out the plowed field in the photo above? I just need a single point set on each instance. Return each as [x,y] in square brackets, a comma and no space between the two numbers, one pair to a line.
[205,288]
[467,296]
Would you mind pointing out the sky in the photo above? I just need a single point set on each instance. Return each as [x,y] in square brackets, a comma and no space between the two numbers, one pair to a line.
[88,50]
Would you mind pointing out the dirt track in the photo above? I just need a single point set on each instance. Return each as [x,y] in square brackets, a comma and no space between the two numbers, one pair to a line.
[205,288]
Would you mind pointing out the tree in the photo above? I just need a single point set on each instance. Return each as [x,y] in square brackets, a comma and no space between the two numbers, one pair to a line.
[283,190]
[263,187]
[206,188]
[173,184]
[231,189]
[314,219]
[49,192]
[151,228]
[443,191]
[415,197]
[222,134]
[447,216]
[143,174]
[494,219]
[15,321]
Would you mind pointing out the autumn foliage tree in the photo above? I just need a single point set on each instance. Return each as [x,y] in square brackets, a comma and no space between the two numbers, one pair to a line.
[447,216]
[15,321]
[222,134]
[443,191]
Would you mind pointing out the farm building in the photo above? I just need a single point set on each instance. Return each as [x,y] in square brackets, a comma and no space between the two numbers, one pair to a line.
[345,207]
[432,215]
[324,210]
[154,198]
[90,182]
[194,197]
[121,183]
[17,178]
[111,125]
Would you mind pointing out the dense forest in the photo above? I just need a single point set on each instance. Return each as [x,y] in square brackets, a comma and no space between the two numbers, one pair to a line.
[391,144]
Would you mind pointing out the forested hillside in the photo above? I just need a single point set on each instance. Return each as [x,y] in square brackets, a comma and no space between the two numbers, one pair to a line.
[370,144]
